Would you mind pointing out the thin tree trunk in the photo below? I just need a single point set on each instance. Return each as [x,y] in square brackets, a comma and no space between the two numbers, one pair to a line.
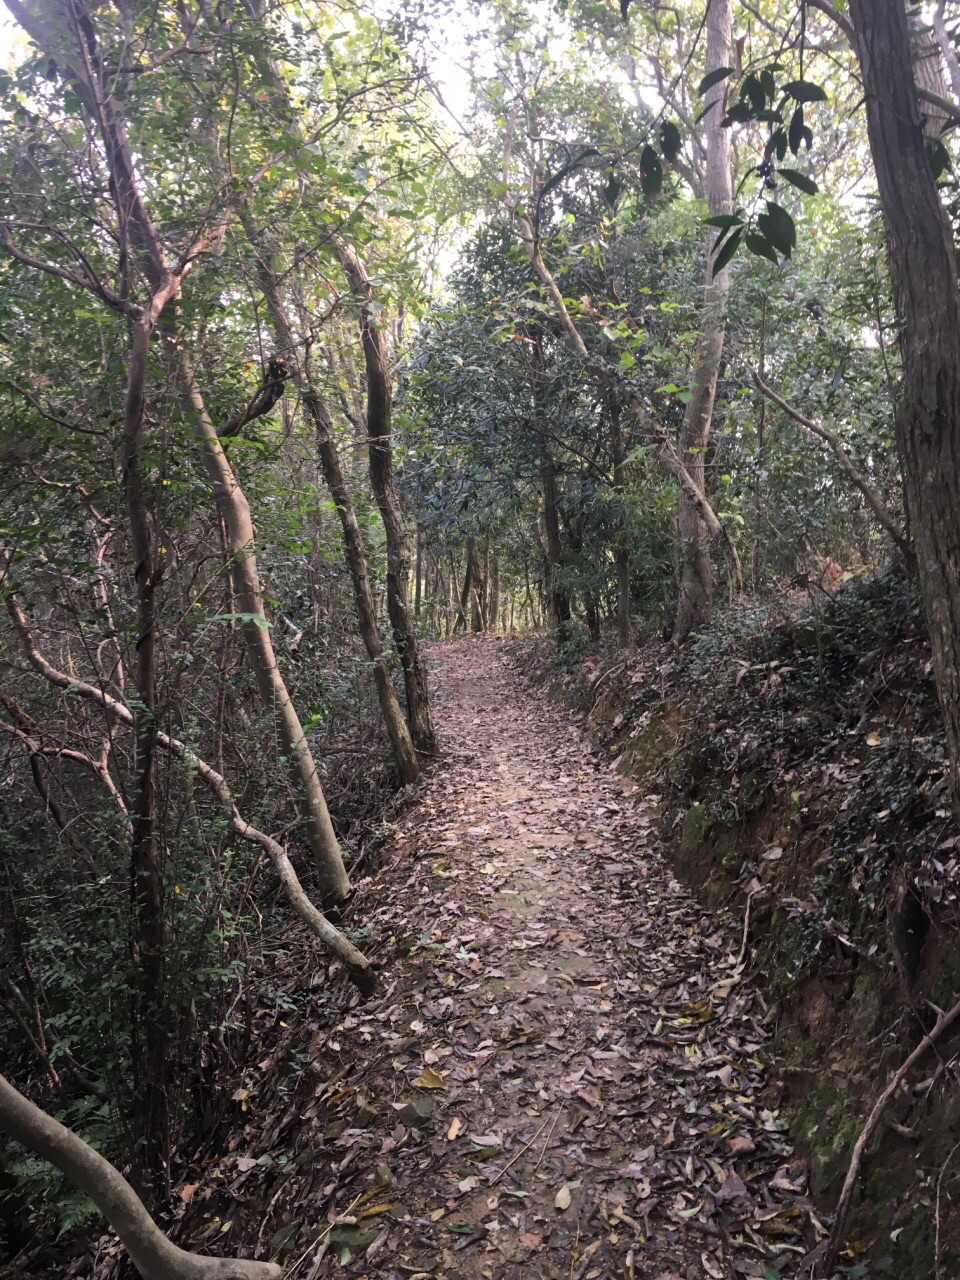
[380,445]
[757,560]
[54,31]
[668,453]
[150,1042]
[528,598]
[621,553]
[946,46]
[591,613]
[451,596]
[235,511]
[923,268]
[696,574]
[405,756]
[418,575]
[556,592]
[485,590]
[493,614]
[463,599]
[477,580]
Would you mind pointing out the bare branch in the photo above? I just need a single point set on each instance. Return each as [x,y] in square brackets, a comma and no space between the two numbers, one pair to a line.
[357,964]
[850,1181]
[874,502]
[155,1257]
[88,283]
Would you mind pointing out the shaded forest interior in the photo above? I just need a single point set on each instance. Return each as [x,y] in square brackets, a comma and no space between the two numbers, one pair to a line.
[480,690]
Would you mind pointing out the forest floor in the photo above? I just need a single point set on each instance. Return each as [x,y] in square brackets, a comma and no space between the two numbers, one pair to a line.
[566,1072]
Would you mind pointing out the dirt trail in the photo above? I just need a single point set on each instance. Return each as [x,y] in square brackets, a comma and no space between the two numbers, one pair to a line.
[567,1076]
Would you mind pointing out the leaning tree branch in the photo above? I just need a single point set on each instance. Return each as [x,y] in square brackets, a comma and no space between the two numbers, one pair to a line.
[266,396]
[949,109]
[91,284]
[718,530]
[358,966]
[23,727]
[155,1257]
[827,7]
[50,802]
[873,499]
[850,1181]
[671,458]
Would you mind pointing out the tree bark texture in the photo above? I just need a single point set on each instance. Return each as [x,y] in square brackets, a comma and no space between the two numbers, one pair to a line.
[379,418]
[923,268]
[493,609]
[557,597]
[418,567]
[405,756]
[154,1256]
[621,551]
[478,586]
[696,573]
[463,593]
[235,511]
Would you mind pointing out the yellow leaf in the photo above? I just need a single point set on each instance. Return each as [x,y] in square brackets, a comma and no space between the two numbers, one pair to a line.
[456,1125]
[375,1209]
[430,1080]
[562,1198]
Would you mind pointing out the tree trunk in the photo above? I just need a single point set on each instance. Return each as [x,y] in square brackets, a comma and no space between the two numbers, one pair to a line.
[463,598]
[946,45]
[150,1040]
[380,445]
[493,614]
[621,553]
[405,756]
[591,613]
[418,576]
[477,581]
[559,600]
[923,268]
[696,574]
[450,589]
[235,512]
[154,1256]
[557,597]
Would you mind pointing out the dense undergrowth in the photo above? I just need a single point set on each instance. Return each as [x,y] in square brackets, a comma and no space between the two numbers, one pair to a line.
[235,961]
[799,759]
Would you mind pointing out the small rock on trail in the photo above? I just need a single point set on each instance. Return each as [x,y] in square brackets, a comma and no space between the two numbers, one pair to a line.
[565,1070]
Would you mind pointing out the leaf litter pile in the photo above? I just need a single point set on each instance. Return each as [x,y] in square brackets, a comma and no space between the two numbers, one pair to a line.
[562,1073]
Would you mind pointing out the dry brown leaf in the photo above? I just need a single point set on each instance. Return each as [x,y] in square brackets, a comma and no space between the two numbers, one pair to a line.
[430,1079]
[741,1145]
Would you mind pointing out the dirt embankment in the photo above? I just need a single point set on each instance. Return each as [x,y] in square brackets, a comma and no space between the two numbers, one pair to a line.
[799,763]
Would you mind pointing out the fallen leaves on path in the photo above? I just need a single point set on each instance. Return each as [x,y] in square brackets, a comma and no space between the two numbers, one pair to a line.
[564,1075]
